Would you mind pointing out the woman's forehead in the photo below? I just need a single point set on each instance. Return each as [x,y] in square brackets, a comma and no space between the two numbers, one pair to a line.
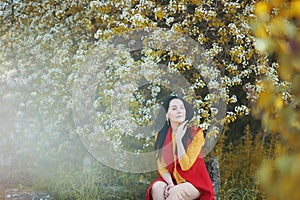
[176,102]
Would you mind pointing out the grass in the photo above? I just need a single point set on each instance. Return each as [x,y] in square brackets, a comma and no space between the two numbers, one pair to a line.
[239,162]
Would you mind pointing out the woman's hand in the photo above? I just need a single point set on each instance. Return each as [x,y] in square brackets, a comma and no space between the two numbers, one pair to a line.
[179,135]
[181,131]
[169,186]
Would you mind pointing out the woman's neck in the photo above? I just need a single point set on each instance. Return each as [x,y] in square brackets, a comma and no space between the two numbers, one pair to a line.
[174,127]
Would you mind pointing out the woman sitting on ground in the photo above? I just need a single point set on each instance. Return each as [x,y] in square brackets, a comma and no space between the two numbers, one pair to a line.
[181,168]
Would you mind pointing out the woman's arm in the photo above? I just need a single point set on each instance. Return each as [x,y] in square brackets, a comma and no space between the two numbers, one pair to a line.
[187,157]
[180,149]
[168,179]
[163,171]
[178,137]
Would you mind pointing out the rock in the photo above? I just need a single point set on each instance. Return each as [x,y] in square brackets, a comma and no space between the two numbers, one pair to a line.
[15,194]
[213,169]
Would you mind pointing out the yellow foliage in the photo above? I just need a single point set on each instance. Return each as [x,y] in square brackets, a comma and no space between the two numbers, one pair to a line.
[280,31]
[196,2]
[261,30]
[159,14]
[265,99]
[239,163]
[281,178]
[295,7]
[278,102]
[262,11]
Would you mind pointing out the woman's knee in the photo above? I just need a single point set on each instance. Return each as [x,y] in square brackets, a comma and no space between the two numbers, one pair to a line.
[158,189]
[184,191]
[159,185]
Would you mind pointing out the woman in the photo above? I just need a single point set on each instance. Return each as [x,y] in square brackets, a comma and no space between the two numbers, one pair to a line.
[181,168]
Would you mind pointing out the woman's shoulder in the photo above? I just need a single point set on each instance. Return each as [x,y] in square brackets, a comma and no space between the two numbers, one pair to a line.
[194,130]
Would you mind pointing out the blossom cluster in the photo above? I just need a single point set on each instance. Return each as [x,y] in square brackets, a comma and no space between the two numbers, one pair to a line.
[49,47]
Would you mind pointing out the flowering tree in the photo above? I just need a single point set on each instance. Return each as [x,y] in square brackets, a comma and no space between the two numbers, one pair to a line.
[48,47]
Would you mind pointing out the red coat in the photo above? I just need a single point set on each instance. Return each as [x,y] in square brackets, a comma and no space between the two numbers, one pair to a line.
[196,174]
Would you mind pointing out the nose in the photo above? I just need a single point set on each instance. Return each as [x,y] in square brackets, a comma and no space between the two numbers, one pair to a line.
[180,110]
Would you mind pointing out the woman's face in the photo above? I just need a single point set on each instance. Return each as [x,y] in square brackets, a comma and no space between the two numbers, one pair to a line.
[176,112]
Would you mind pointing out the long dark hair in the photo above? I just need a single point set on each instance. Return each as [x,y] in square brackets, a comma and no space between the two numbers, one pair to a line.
[161,137]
